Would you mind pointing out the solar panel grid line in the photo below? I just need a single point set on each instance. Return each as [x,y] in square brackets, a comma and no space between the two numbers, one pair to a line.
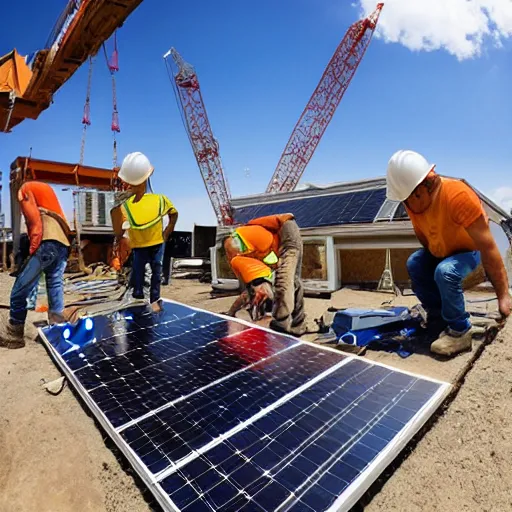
[249,421]
[392,374]
[322,468]
[158,341]
[199,390]
[205,417]
[363,205]
[323,210]
[209,499]
[133,458]
[359,486]
[344,449]
[375,363]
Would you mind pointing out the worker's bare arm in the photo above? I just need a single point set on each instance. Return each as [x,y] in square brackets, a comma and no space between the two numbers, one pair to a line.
[173,218]
[241,301]
[492,261]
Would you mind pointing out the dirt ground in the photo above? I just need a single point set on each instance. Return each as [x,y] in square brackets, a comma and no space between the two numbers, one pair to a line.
[53,457]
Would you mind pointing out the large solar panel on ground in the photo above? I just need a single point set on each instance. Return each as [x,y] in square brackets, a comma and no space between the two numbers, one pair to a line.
[328,210]
[216,414]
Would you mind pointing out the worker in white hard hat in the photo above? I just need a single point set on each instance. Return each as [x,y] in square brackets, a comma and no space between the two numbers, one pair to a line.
[450,222]
[142,215]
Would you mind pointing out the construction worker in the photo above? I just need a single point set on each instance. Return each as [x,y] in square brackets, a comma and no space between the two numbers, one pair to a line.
[48,233]
[266,251]
[450,222]
[142,215]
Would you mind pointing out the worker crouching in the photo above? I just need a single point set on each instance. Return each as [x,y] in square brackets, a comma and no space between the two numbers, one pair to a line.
[266,254]
[48,234]
[142,216]
[451,225]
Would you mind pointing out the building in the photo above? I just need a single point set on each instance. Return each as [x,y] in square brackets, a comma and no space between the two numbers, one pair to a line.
[349,231]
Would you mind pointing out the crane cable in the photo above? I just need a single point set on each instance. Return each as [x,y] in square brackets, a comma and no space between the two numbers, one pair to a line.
[86,121]
[113,67]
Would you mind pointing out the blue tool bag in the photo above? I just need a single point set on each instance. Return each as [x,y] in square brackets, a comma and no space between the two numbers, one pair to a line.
[378,329]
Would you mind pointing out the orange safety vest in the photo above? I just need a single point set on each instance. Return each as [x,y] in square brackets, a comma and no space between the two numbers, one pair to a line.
[248,269]
[261,237]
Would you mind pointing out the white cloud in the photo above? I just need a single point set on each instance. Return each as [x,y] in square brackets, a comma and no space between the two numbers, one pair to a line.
[460,27]
[503,197]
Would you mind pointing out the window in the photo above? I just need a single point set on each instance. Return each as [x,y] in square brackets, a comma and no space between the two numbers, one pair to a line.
[314,261]
[223,268]
[88,207]
[102,209]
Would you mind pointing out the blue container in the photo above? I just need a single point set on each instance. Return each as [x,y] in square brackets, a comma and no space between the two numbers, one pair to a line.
[359,327]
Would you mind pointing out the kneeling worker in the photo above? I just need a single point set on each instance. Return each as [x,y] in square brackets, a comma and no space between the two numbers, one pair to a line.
[450,223]
[274,241]
[142,215]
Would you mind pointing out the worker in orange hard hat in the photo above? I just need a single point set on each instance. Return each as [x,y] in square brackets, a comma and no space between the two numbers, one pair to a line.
[266,254]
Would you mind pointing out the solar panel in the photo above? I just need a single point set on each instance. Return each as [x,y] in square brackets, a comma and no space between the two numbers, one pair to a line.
[329,210]
[217,414]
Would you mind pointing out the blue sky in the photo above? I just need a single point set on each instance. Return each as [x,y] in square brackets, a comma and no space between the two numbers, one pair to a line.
[258,63]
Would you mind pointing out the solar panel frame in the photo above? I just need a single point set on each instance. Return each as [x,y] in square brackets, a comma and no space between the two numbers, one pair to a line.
[349,496]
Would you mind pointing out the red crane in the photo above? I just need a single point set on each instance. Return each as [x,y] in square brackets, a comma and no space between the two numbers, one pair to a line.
[323,103]
[199,131]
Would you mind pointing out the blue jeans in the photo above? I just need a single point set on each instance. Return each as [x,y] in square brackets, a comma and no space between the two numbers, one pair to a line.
[152,255]
[51,258]
[437,283]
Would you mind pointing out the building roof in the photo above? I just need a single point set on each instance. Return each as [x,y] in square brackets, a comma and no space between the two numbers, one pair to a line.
[360,202]
[356,202]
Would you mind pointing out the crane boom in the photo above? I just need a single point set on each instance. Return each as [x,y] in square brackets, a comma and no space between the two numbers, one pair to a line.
[78,34]
[323,103]
[199,131]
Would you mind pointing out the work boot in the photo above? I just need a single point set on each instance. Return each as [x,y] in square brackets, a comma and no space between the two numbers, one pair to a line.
[12,335]
[452,342]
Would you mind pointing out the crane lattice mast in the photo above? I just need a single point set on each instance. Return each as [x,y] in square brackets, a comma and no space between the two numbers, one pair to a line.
[323,103]
[199,131]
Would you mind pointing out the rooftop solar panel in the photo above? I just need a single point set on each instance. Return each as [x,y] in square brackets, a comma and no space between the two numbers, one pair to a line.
[217,414]
[329,210]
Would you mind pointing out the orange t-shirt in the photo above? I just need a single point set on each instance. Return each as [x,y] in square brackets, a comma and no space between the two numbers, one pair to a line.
[454,208]
[32,196]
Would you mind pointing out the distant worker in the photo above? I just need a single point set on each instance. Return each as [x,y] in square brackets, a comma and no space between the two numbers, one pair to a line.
[450,222]
[48,233]
[142,215]
[266,254]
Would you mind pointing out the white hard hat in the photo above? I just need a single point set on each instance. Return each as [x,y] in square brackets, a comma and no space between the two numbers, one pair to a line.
[135,169]
[406,170]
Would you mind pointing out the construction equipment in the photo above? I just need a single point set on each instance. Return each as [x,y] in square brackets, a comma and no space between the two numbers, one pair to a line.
[199,131]
[80,31]
[323,103]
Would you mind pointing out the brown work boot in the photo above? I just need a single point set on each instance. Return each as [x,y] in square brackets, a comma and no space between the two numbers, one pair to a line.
[451,342]
[12,335]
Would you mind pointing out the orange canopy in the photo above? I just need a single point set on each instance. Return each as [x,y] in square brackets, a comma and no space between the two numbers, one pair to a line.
[14,73]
